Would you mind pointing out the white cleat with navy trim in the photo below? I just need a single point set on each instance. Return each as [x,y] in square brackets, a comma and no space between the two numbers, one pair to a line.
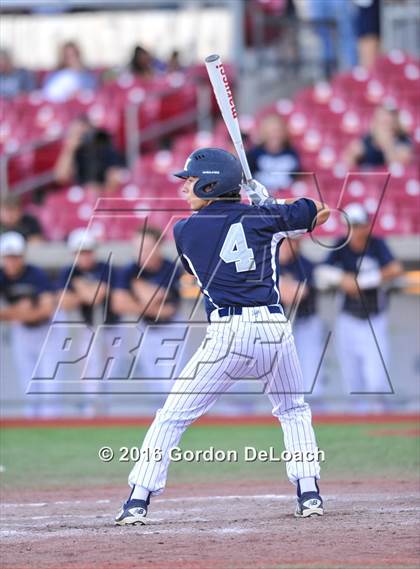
[309,504]
[133,512]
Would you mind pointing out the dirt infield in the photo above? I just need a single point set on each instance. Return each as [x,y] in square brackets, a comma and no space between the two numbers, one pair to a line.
[229,526]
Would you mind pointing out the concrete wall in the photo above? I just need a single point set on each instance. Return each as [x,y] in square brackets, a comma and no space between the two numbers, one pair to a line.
[108,38]
[404,368]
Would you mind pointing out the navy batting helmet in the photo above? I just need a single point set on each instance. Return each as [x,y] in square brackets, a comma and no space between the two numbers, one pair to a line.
[218,172]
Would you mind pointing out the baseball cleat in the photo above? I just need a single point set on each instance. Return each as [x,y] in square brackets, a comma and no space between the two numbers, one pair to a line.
[309,504]
[132,513]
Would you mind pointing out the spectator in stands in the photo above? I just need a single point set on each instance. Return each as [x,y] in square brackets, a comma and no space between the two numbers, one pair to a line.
[299,298]
[142,64]
[13,80]
[360,267]
[88,155]
[70,77]
[340,14]
[274,162]
[149,289]
[13,218]
[368,31]
[28,298]
[174,63]
[385,144]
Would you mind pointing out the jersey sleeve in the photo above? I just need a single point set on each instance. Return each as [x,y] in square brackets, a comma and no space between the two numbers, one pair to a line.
[178,227]
[114,271]
[296,217]
[334,257]
[122,277]
[61,281]
[42,281]
[384,254]
[106,273]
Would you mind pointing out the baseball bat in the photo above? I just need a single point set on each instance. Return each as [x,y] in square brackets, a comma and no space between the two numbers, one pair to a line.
[224,97]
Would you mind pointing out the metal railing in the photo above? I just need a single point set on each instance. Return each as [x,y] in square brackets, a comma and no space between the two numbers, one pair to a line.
[134,137]
[30,183]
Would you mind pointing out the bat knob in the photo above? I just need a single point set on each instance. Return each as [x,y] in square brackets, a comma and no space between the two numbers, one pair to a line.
[211,58]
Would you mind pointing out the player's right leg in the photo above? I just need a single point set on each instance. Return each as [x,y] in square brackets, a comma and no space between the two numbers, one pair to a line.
[284,386]
[203,380]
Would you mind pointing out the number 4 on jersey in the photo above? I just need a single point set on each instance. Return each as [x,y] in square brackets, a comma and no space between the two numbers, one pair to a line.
[235,249]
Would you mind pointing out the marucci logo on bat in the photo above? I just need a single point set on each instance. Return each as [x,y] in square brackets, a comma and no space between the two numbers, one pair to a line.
[228,91]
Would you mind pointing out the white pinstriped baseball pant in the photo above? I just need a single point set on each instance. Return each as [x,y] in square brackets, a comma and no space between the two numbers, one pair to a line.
[255,344]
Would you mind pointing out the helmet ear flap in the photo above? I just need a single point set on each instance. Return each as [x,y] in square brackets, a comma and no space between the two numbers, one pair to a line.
[209,188]
[202,191]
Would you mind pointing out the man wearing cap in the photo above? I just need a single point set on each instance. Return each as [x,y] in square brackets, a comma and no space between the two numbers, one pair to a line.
[84,288]
[363,265]
[28,304]
[149,286]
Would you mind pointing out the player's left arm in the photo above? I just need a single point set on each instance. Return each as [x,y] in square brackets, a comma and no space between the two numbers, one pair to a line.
[151,296]
[391,271]
[295,216]
[158,299]
[292,290]
[322,210]
[43,305]
[41,309]
[259,195]
[388,270]
[165,302]
[89,292]
[163,310]
[12,312]
[390,267]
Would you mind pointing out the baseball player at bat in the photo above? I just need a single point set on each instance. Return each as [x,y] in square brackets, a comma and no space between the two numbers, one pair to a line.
[232,250]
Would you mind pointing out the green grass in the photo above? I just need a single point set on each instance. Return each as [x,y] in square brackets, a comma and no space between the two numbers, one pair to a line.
[51,457]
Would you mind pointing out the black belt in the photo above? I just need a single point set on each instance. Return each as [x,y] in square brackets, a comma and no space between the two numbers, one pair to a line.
[237,310]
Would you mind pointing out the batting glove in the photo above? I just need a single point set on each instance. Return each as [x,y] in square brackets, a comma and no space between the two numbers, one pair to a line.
[256,192]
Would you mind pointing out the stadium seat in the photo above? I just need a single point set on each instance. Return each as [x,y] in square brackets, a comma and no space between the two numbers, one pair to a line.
[322,120]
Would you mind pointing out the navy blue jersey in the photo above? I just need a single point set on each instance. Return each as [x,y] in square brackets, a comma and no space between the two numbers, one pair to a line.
[376,256]
[30,284]
[100,273]
[232,249]
[302,269]
[274,171]
[166,277]
[373,154]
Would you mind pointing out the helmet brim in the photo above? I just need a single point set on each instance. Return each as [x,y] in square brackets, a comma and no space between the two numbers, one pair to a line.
[183,174]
